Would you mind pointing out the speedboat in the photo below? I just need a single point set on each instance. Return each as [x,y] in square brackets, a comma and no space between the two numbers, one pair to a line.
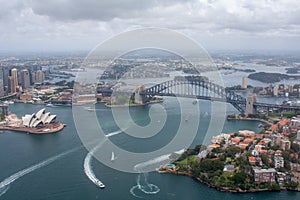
[100,184]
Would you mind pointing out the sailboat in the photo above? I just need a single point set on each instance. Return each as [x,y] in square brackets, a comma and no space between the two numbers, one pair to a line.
[112,156]
[186,118]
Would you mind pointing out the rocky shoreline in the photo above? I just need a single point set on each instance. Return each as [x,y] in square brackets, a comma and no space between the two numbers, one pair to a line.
[225,189]
[251,119]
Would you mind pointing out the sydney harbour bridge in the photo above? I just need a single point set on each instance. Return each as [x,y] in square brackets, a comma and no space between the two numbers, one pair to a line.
[203,89]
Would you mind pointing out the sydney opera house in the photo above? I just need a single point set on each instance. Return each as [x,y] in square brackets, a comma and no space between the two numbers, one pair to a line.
[38,119]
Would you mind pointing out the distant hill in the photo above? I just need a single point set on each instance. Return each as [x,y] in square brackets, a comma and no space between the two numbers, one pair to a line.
[270,77]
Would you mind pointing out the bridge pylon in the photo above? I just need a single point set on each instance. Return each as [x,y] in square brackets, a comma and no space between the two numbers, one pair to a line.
[138,97]
[250,101]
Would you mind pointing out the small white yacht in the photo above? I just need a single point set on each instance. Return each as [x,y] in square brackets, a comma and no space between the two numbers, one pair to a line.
[112,156]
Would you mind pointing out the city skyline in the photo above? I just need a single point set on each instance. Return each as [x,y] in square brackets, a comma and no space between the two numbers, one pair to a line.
[81,25]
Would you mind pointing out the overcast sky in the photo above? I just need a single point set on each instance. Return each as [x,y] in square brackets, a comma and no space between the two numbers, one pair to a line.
[60,25]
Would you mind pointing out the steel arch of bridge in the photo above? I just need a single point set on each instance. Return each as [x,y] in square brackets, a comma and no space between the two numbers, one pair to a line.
[199,89]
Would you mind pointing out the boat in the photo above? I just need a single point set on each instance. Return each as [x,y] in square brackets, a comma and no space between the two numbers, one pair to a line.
[8,102]
[49,105]
[100,184]
[186,118]
[112,156]
[260,125]
[89,109]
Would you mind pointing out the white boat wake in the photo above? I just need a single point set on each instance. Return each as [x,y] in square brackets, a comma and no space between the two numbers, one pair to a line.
[114,133]
[144,187]
[158,161]
[4,185]
[88,169]
[3,190]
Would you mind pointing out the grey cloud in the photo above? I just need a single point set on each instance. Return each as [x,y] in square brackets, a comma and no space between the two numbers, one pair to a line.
[103,10]
[8,8]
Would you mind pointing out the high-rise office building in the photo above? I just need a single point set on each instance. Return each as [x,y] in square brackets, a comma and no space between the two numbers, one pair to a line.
[25,79]
[5,76]
[275,90]
[14,75]
[32,77]
[40,77]
[2,92]
[11,85]
[244,82]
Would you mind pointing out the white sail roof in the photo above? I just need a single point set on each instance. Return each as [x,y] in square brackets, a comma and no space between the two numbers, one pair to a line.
[44,117]
[50,119]
[40,113]
[27,119]
[36,123]
[41,117]
[33,120]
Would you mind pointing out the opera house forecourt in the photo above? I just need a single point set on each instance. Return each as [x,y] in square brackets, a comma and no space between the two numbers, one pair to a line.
[41,122]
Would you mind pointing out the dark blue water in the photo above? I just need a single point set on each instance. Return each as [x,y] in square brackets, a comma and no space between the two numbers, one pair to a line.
[64,178]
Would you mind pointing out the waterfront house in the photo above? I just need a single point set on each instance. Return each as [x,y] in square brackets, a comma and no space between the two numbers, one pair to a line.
[264,175]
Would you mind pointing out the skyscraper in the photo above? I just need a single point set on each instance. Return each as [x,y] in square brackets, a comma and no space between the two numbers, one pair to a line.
[2,93]
[32,77]
[11,85]
[275,90]
[244,82]
[25,79]
[5,76]
[40,77]
[14,75]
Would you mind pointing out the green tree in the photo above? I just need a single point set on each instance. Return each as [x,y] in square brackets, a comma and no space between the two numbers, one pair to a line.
[275,187]
[2,117]
[121,100]
[232,151]
[239,178]
[209,165]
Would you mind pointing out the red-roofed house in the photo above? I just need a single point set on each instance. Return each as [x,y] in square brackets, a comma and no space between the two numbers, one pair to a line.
[252,160]
[235,140]
[248,140]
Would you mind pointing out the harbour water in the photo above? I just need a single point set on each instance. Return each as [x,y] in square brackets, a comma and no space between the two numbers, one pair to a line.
[52,166]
